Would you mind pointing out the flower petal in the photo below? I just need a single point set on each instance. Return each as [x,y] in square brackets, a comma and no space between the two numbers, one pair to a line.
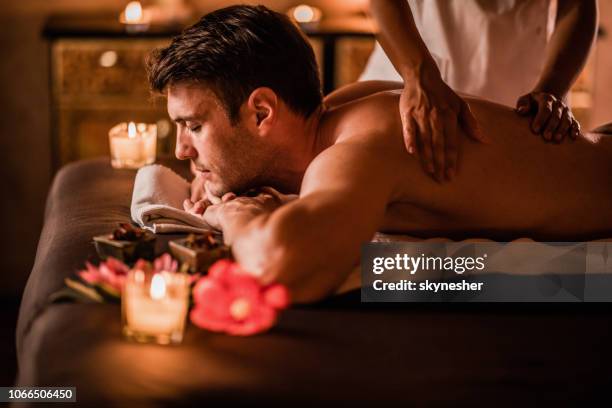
[116,266]
[201,318]
[91,277]
[221,269]
[260,320]
[277,296]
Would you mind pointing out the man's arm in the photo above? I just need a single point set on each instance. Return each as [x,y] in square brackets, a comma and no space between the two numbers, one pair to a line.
[567,53]
[312,243]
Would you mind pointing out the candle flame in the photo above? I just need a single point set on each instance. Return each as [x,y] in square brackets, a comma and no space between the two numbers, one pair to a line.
[131,130]
[158,287]
[304,13]
[133,12]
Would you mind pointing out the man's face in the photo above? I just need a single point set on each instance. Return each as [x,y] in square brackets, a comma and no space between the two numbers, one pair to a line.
[230,157]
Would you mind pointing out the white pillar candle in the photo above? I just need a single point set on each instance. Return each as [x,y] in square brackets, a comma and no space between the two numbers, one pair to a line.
[154,307]
[132,145]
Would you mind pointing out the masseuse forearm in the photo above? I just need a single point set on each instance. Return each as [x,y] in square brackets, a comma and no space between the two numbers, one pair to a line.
[569,46]
[399,37]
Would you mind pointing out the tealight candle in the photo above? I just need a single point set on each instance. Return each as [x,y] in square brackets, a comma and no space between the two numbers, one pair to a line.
[305,14]
[154,306]
[134,17]
[132,145]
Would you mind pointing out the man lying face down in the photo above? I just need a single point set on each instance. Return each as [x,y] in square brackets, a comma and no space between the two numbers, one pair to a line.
[243,88]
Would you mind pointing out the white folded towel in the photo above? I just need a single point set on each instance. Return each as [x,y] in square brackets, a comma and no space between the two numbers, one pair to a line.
[157,202]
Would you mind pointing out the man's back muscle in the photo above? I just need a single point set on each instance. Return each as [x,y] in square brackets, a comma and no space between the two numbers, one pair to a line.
[516,186]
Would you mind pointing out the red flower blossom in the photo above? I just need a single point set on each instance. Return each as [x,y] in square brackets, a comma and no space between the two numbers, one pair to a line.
[231,301]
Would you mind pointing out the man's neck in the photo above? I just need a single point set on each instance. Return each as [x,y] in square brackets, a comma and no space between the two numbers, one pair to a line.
[302,140]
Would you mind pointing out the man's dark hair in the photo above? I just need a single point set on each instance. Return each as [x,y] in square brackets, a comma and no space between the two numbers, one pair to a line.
[237,49]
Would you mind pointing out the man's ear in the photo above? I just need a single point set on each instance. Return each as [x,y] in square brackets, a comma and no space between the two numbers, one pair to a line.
[262,109]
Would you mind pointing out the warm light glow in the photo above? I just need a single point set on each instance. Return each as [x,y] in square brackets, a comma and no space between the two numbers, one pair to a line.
[139,276]
[158,287]
[133,12]
[131,130]
[108,59]
[306,14]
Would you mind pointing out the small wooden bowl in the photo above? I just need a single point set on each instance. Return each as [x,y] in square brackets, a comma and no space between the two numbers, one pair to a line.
[126,250]
[198,258]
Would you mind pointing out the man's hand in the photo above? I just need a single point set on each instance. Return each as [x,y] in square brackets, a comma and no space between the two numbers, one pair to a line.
[241,209]
[199,197]
[202,197]
[431,112]
[552,118]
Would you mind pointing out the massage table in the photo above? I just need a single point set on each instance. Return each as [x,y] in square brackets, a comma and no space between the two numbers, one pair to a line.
[337,351]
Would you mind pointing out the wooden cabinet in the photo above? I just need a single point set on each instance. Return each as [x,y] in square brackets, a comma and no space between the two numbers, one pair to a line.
[95,84]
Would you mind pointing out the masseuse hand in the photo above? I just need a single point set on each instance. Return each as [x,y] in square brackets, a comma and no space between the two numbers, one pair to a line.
[552,118]
[431,113]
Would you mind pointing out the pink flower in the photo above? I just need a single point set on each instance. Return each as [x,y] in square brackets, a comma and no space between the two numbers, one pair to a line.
[231,301]
[165,263]
[112,272]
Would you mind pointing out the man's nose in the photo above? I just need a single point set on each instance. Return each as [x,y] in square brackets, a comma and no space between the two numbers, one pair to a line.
[184,149]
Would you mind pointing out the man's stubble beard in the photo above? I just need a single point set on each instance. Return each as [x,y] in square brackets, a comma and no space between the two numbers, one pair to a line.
[252,165]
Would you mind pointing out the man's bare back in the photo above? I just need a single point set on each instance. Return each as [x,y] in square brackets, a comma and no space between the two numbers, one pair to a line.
[349,163]
[516,186]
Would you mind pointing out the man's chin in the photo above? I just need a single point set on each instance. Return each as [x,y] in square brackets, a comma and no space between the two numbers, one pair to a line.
[218,188]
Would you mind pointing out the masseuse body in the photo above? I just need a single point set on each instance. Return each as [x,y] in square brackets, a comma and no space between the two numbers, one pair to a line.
[515,52]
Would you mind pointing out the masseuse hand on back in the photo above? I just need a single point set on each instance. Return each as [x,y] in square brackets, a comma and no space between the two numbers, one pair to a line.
[550,116]
[432,114]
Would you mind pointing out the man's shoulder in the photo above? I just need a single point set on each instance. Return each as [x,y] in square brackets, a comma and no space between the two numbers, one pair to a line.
[374,118]
[367,139]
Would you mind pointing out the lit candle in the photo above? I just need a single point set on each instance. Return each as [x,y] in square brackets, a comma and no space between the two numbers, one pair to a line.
[154,307]
[305,14]
[135,17]
[132,145]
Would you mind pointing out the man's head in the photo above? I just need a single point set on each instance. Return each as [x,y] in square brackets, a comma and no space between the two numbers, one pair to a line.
[231,81]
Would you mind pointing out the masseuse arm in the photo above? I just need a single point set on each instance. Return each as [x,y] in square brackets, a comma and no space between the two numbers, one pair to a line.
[312,243]
[430,110]
[567,53]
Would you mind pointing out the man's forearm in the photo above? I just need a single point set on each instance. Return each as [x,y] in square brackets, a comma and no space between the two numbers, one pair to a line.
[569,46]
[285,246]
[400,38]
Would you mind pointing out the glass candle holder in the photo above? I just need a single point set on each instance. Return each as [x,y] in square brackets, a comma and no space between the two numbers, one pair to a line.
[132,145]
[154,306]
